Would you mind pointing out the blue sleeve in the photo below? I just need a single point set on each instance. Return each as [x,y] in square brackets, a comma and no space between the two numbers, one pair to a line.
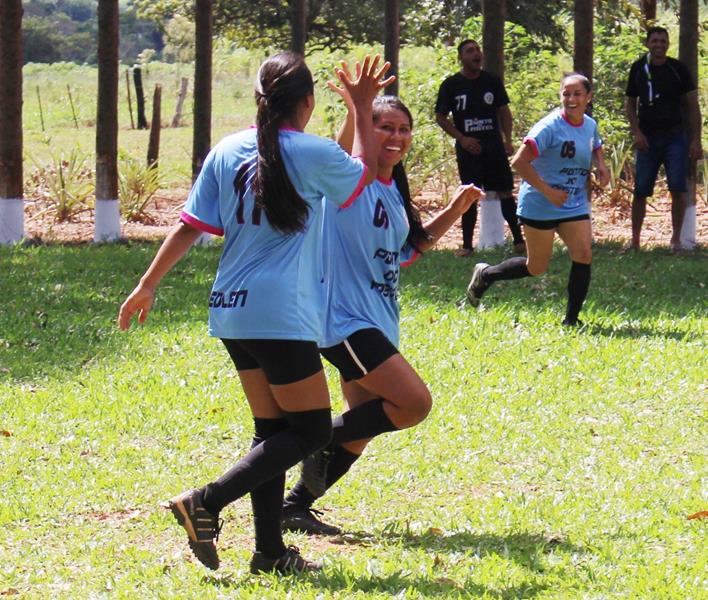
[323,167]
[596,139]
[202,207]
[541,136]
[408,255]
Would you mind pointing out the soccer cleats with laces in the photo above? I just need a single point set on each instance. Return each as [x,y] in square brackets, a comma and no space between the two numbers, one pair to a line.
[305,520]
[477,286]
[291,563]
[202,527]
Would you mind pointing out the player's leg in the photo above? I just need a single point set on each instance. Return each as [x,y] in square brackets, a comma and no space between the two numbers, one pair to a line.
[539,243]
[289,386]
[469,169]
[298,514]
[577,236]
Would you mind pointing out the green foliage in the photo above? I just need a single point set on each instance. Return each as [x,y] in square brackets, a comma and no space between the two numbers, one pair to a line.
[137,185]
[179,40]
[66,184]
[554,464]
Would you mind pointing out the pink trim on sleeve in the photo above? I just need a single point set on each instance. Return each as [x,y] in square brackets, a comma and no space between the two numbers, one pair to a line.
[197,224]
[411,260]
[357,190]
[531,143]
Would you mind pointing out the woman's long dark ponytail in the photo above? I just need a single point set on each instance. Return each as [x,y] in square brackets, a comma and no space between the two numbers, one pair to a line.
[417,234]
[283,81]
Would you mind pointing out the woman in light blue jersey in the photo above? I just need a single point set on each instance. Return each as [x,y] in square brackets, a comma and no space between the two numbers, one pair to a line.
[368,243]
[555,162]
[262,190]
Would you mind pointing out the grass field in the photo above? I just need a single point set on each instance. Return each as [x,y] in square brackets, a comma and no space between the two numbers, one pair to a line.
[555,463]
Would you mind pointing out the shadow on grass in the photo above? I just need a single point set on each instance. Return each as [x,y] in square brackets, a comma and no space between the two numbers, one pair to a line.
[59,303]
[523,549]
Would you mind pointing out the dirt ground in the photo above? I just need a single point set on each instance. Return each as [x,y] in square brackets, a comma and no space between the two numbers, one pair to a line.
[611,220]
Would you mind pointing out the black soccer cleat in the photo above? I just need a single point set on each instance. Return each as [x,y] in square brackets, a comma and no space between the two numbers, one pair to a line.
[314,472]
[305,520]
[477,286]
[291,563]
[202,527]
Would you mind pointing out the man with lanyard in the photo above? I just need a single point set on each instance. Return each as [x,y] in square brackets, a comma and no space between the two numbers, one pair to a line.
[480,116]
[667,97]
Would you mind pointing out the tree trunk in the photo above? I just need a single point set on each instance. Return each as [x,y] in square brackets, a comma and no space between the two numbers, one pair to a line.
[688,55]
[11,192]
[139,96]
[299,26]
[201,141]
[392,42]
[583,45]
[648,8]
[107,214]
[494,16]
[155,127]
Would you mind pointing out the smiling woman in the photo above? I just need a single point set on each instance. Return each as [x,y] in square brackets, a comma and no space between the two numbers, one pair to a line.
[554,162]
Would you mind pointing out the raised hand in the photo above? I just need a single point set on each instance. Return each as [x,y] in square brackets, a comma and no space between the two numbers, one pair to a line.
[464,197]
[367,81]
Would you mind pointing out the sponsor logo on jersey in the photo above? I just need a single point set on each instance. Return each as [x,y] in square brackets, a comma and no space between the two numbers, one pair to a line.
[232,299]
[489,98]
[380,215]
[478,125]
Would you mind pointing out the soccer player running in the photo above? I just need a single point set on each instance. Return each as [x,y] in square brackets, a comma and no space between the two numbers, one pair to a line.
[262,189]
[369,241]
[554,161]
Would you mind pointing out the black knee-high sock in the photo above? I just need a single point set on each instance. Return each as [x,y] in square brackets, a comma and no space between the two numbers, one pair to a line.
[511,268]
[578,285]
[267,498]
[338,465]
[307,432]
[469,219]
[361,422]
[508,208]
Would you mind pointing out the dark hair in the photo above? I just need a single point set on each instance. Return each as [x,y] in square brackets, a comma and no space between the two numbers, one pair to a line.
[282,82]
[416,234]
[656,29]
[462,45]
[583,79]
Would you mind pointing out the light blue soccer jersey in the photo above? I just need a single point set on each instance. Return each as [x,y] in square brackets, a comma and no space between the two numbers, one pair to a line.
[563,159]
[269,285]
[367,245]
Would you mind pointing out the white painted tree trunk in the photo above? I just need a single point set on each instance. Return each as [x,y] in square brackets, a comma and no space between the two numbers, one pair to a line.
[12,220]
[688,229]
[107,221]
[205,239]
[491,222]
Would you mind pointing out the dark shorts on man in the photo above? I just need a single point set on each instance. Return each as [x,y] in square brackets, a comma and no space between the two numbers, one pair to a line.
[282,361]
[671,149]
[552,223]
[489,170]
[360,353]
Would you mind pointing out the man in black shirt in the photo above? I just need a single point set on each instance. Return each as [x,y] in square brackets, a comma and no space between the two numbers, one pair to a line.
[480,115]
[665,95]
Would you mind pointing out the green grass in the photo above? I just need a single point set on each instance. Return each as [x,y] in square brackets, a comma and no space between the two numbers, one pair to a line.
[555,463]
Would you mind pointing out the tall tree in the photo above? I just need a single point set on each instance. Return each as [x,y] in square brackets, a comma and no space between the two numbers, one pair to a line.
[494,13]
[11,202]
[688,55]
[583,44]
[299,26]
[201,141]
[107,214]
[392,40]
[648,8]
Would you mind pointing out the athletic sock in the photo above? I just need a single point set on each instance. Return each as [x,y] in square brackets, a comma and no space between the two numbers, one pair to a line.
[361,422]
[469,219]
[307,432]
[508,208]
[267,498]
[578,285]
[339,464]
[511,268]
